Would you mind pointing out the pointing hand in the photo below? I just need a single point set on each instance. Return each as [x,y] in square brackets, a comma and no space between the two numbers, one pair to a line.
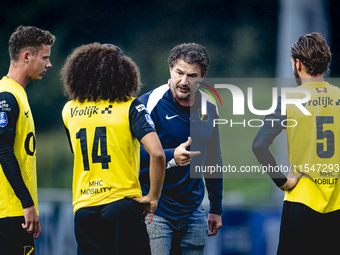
[182,156]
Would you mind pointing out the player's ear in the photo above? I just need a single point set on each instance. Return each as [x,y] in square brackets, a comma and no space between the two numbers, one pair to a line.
[205,74]
[26,56]
[298,64]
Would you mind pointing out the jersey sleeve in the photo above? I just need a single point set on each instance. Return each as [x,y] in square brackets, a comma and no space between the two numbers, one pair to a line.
[141,122]
[68,137]
[214,185]
[144,155]
[9,112]
[268,132]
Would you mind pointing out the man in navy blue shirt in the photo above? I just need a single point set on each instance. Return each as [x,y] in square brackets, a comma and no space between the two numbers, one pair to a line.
[180,225]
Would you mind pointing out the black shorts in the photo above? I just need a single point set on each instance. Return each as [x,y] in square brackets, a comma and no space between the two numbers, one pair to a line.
[115,228]
[305,231]
[15,240]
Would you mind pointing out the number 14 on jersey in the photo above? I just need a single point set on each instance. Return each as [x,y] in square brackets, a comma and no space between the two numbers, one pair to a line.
[99,138]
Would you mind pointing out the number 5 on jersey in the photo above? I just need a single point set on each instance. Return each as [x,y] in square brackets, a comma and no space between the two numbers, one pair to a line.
[322,134]
[99,138]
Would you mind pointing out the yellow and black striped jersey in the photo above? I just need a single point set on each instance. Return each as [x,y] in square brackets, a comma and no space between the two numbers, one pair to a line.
[104,137]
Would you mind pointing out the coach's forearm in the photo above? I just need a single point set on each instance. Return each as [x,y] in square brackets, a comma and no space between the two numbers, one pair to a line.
[215,188]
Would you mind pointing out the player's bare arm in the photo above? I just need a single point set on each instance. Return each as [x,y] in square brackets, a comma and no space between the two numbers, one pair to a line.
[157,171]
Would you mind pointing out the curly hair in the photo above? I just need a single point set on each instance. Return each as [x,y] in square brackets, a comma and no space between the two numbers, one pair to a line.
[96,72]
[313,51]
[190,53]
[27,37]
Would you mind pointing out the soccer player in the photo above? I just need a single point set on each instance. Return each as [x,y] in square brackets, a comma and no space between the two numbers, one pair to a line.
[29,50]
[311,203]
[180,225]
[105,125]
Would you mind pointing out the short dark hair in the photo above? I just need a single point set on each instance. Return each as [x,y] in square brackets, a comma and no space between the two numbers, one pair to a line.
[313,51]
[190,53]
[100,72]
[28,37]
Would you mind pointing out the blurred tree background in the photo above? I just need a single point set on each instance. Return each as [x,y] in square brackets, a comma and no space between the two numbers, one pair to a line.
[240,36]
